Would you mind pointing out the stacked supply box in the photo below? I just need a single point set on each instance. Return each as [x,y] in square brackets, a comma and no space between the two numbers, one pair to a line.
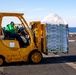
[57,38]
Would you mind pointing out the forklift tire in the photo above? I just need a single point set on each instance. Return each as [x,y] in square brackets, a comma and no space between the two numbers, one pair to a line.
[1,61]
[35,57]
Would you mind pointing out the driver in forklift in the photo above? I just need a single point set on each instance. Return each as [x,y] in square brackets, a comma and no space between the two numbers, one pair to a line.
[12,30]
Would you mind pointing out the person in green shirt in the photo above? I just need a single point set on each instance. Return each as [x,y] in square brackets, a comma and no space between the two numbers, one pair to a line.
[11,30]
[11,27]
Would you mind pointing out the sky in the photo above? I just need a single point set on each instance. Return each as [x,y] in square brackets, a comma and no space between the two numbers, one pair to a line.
[36,10]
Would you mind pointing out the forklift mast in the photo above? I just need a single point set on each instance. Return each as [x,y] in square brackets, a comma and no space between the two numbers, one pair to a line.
[39,33]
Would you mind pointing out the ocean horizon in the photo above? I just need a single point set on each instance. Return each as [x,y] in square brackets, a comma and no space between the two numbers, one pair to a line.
[72,29]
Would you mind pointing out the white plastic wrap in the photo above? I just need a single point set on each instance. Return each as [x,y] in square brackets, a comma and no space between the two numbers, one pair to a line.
[53,19]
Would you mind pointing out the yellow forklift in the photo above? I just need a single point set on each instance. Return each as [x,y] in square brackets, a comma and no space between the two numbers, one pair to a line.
[10,50]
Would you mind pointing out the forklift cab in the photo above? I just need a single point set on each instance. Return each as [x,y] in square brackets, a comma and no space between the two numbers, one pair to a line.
[23,29]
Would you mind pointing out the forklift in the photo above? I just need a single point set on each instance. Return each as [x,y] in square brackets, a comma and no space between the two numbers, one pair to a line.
[10,50]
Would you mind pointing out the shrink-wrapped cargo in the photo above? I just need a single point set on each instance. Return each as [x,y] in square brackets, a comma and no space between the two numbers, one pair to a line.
[56,33]
[57,38]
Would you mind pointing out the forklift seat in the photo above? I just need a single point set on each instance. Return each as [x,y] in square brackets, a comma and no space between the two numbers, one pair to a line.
[6,36]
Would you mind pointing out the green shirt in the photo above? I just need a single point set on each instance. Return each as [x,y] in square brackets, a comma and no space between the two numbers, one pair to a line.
[10,27]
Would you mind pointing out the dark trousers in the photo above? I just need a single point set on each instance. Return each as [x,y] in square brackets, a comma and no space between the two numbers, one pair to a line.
[15,35]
